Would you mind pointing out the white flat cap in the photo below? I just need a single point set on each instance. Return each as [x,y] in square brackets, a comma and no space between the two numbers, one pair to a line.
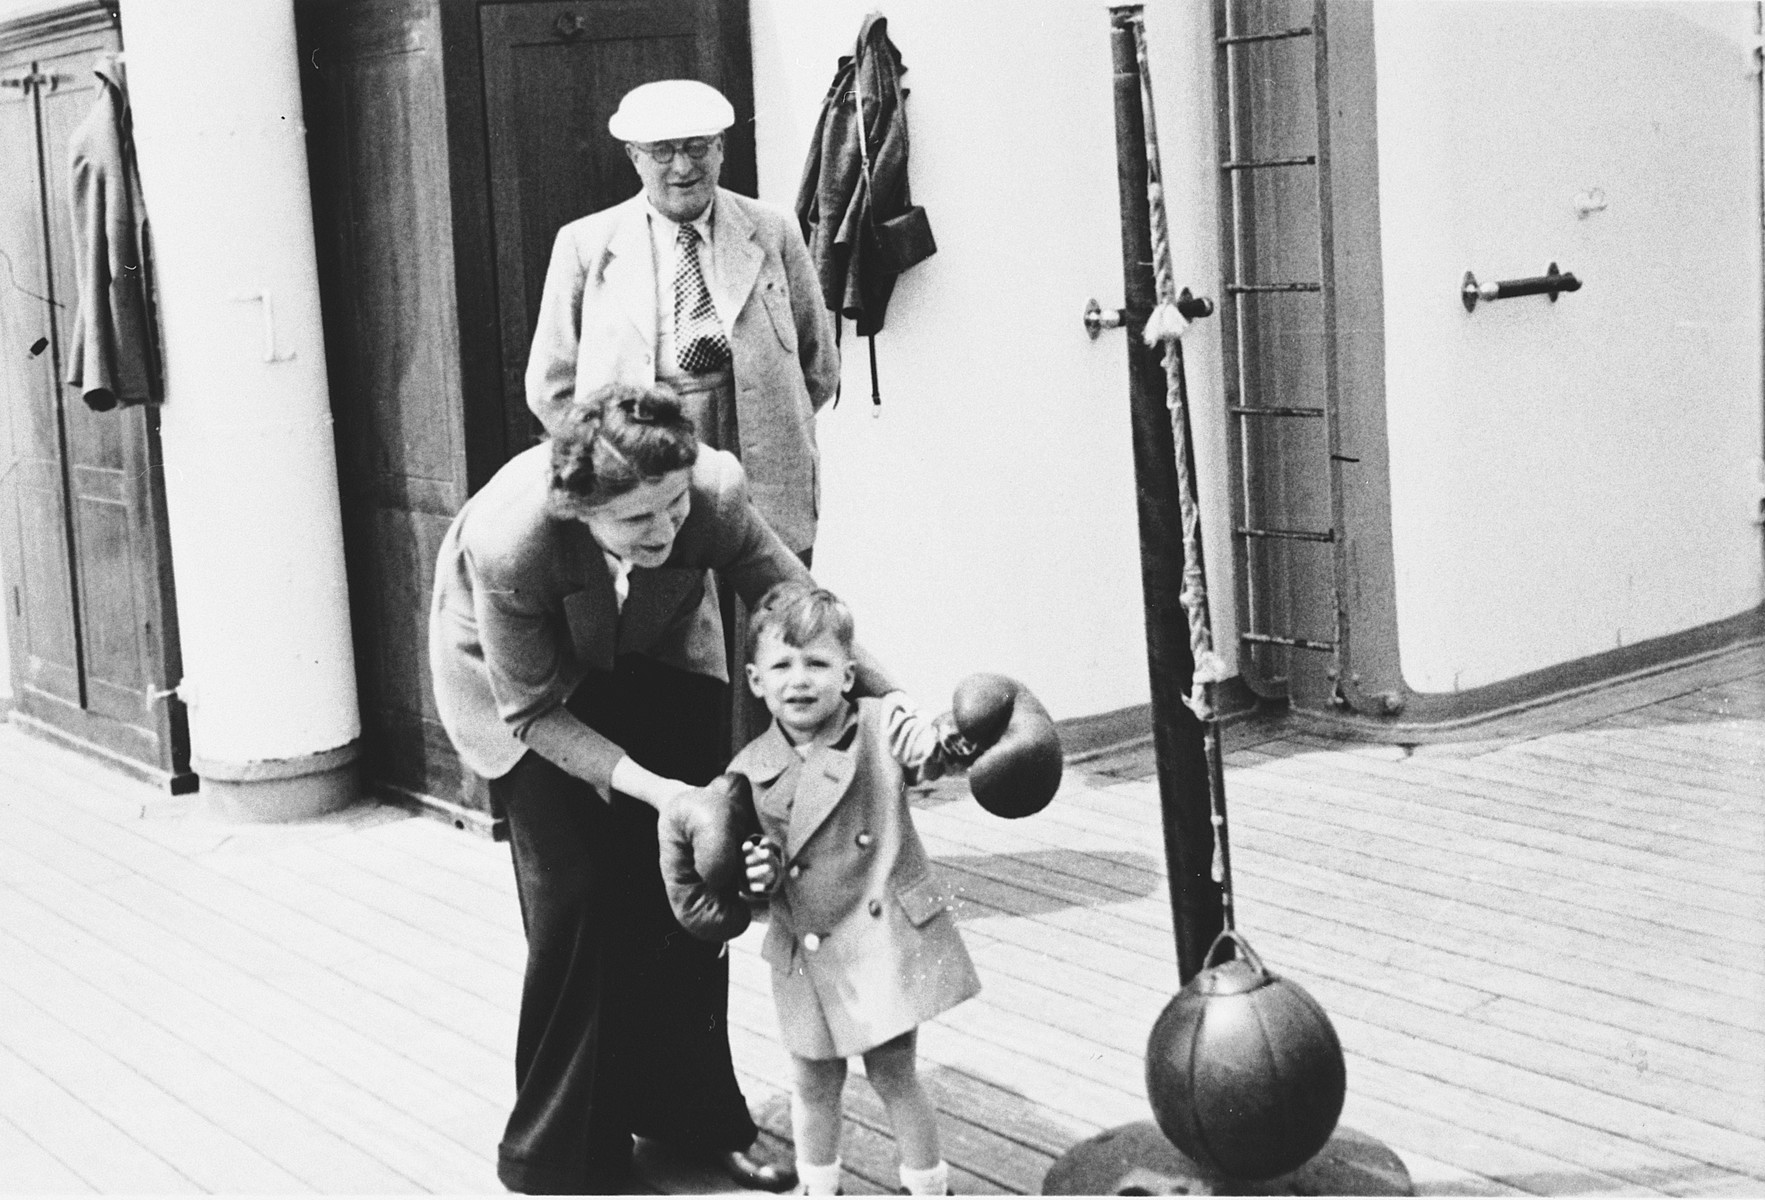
[670,109]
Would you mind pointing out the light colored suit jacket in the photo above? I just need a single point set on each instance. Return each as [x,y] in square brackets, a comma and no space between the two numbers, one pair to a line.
[597,325]
[861,940]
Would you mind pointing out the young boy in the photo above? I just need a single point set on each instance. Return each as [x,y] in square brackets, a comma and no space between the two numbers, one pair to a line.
[862,944]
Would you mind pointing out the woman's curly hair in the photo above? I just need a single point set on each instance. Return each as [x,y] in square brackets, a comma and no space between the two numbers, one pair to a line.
[615,439]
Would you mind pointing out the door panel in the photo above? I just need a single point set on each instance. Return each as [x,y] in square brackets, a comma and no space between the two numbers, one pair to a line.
[107,557]
[40,618]
[553,74]
[376,109]
[45,645]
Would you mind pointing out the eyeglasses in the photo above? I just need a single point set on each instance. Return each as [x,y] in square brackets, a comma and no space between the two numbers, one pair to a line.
[663,152]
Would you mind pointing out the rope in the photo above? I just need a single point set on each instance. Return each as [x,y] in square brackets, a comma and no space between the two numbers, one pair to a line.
[1167,325]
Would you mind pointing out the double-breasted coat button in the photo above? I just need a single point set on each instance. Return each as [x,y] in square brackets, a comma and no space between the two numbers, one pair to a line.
[811,942]
[864,839]
[876,908]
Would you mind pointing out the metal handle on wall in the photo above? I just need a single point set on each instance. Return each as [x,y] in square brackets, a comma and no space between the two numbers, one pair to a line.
[1097,318]
[1548,284]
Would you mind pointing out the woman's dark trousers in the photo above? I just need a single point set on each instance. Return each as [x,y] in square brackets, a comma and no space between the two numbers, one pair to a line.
[624,1026]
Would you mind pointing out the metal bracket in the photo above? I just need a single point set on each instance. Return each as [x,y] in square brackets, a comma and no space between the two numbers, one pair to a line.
[1097,318]
[271,354]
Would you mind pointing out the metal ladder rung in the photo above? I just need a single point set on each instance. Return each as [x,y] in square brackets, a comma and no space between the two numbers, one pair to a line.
[1242,410]
[1288,535]
[1259,164]
[1270,639]
[1244,289]
[1272,35]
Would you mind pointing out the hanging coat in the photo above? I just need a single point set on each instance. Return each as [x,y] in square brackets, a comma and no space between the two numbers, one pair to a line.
[861,226]
[114,356]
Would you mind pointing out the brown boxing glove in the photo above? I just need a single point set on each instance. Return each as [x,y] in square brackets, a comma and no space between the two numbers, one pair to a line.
[704,869]
[1018,768]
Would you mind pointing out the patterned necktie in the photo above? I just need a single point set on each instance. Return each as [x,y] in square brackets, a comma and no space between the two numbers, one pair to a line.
[699,344]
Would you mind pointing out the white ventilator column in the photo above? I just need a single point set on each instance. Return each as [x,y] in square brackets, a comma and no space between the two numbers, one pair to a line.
[250,464]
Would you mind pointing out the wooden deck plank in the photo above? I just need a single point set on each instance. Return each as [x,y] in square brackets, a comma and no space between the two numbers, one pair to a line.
[212,1157]
[1578,928]
[31,1169]
[1598,1163]
[1695,726]
[1611,1125]
[1710,794]
[1543,1051]
[982,1150]
[1643,755]
[280,929]
[1445,800]
[391,1039]
[1535,947]
[1478,1164]
[1577,1046]
[1511,905]
[327,924]
[1415,939]
[194,1079]
[364,1122]
[55,1117]
[1556,782]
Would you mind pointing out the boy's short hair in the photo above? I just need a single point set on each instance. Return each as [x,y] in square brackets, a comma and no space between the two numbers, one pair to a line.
[800,613]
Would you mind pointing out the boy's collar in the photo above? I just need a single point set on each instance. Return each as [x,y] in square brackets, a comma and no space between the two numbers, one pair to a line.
[840,737]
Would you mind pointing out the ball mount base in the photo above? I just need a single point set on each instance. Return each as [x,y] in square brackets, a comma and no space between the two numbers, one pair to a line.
[1138,1160]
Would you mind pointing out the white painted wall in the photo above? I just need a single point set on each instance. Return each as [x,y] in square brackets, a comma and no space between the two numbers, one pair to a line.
[985,520]
[1574,477]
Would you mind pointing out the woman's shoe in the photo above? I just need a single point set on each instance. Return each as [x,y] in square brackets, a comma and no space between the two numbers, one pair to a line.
[750,1172]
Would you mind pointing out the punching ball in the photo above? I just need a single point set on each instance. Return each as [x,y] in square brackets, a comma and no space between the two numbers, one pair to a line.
[1244,1070]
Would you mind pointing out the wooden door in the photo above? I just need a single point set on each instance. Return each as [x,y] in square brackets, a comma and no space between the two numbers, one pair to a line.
[90,562]
[376,110]
[554,72]
[40,614]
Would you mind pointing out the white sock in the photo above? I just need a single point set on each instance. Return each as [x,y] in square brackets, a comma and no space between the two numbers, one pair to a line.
[819,1181]
[927,1181]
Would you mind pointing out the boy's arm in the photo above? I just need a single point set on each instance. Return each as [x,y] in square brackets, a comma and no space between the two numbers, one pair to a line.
[927,747]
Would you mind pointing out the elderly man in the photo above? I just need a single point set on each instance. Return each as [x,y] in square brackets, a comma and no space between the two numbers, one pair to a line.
[711,294]
[697,288]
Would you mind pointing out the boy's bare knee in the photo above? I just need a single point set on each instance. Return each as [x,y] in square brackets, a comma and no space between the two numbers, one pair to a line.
[893,1066]
[820,1081]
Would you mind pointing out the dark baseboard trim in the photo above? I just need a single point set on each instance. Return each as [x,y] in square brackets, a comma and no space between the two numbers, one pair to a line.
[1456,716]
[471,820]
[1086,738]
[172,783]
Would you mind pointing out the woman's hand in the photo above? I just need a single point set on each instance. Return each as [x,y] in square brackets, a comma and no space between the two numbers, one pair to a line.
[657,791]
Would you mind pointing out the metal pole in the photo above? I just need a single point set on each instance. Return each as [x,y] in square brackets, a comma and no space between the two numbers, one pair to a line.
[1177,736]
